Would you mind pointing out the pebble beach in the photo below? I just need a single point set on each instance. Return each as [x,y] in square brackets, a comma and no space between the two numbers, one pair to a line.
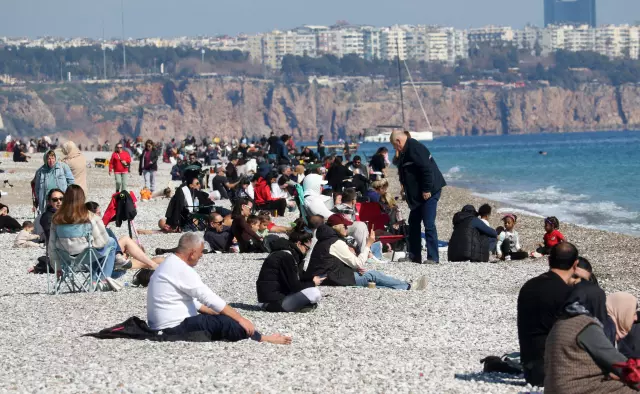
[357,340]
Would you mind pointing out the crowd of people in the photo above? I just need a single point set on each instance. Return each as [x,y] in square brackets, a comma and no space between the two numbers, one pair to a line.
[572,337]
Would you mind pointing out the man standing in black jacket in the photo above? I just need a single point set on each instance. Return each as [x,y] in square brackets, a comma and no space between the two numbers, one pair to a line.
[422,182]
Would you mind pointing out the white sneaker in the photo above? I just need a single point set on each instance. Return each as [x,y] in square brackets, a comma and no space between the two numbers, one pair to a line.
[420,284]
[113,284]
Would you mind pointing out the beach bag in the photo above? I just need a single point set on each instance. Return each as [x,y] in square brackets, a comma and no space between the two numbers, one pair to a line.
[142,277]
[503,364]
[630,371]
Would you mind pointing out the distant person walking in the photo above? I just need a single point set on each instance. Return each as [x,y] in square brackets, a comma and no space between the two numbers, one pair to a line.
[149,165]
[77,163]
[422,182]
[120,163]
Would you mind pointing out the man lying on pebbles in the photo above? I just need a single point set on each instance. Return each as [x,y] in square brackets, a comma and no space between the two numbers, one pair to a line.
[179,303]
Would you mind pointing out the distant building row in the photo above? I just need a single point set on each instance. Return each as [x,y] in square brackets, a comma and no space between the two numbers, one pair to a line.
[423,43]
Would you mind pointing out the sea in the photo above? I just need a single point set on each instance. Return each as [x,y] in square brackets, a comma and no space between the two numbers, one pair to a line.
[589,179]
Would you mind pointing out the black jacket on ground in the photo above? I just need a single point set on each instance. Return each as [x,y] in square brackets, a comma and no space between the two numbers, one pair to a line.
[279,276]
[418,173]
[470,238]
[323,263]
[154,161]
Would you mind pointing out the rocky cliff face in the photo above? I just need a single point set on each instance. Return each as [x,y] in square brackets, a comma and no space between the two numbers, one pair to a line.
[227,107]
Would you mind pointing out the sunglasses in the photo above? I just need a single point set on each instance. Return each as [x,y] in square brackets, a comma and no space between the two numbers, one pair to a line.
[59,199]
[217,222]
[118,147]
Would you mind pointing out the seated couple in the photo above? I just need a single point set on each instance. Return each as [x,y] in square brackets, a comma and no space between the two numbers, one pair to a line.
[186,205]
[179,303]
[334,258]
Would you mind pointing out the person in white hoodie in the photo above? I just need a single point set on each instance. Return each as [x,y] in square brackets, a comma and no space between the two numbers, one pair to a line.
[315,203]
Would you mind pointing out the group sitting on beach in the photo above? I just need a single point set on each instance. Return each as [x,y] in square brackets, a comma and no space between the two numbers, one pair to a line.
[572,337]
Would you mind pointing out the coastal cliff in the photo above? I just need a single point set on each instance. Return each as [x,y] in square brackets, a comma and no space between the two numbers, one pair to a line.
[229,107]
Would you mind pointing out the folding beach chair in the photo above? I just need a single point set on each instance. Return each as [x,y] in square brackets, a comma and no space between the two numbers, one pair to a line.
[371,213]
[82,272]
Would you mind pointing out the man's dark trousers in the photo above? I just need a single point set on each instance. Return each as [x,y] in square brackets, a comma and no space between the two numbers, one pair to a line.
[425,213]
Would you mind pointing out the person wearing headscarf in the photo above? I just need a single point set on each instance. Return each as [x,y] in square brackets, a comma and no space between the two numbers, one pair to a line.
[579,358]
[77,163]
[52,175]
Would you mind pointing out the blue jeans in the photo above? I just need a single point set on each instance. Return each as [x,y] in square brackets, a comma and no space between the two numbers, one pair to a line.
[425,213]
[109,260]
[219,328]
[380,279]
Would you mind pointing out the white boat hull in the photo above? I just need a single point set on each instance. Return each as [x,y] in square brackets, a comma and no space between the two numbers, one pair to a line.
[384,137]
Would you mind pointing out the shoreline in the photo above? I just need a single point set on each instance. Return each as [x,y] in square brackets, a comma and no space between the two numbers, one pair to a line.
[613,255]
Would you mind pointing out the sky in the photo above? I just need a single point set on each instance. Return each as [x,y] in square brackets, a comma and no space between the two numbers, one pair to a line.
[174,18]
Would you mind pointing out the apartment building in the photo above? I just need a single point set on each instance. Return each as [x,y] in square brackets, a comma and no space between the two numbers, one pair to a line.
[371,38]
[393,43]
[492,35]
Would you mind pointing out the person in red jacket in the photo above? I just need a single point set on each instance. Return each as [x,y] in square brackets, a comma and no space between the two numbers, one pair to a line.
[263,198]
[120,163]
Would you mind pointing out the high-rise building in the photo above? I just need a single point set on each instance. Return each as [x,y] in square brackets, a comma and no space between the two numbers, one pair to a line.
[570,12]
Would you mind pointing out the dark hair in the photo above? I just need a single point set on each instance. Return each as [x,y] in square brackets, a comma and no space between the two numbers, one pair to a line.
[284,138]
[264,216]
[49,153]
[26,224]
[349,195]
[499,230]
[586,265]
[4,206]
[382,150]
[357,158]
[563,256]
[337,161]
[552,220]
[237,208]
[271,175]
[92,206]
[252,219]
[314,222]
[484,210]
[53,191]
[283,180]
[300,236]
[149,142]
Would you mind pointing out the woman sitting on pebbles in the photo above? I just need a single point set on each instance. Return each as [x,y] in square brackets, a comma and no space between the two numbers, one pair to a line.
[7,223]
[279,286]
[332,257]
[578,356]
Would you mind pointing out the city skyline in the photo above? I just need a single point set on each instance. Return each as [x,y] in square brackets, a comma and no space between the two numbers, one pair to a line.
[162,18]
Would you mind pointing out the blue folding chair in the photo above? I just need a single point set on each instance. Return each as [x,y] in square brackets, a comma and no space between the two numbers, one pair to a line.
[82,272]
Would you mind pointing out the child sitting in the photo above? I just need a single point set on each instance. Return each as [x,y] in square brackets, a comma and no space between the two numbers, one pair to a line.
[551,238]
[254,223]
[266,226]
[508,245]
[26,238]
[484,213]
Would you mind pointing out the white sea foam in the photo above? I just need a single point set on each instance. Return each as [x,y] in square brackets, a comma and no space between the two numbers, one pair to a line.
[454,173]
[573,208]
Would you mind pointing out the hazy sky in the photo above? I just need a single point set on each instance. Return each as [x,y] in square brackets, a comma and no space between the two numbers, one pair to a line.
[167,18]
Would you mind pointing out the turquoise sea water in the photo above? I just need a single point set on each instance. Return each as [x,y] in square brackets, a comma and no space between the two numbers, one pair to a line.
[591,179]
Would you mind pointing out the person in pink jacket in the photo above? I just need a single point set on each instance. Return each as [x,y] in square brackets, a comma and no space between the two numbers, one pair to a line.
[120,163]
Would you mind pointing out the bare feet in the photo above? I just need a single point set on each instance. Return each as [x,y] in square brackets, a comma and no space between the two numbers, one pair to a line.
[277,339]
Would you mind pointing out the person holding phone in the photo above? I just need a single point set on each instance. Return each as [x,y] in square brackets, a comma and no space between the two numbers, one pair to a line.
[119,164]
[279,286]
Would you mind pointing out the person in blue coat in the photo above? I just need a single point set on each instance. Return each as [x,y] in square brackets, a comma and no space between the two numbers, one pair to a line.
[52,175]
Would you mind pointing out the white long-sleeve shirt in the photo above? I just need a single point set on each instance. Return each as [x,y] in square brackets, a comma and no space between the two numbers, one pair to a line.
[512,236]
[341,250]
[175,293]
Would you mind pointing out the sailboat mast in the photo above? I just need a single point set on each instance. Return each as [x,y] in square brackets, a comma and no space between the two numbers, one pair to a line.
[400,81]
